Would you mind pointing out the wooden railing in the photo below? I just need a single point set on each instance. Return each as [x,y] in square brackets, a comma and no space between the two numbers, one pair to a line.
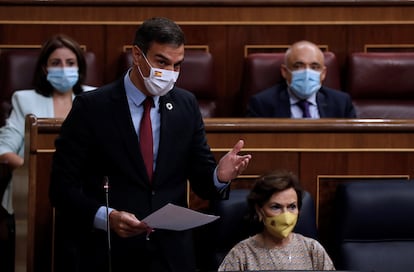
[322,152]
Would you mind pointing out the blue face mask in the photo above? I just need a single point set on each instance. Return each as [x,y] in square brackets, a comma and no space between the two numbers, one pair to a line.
[305,83]
[62,79]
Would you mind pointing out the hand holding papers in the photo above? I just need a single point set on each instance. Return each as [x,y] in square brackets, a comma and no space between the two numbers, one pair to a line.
[173,217]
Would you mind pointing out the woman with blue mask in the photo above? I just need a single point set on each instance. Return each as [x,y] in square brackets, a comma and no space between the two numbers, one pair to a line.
[59,74]
[302,95]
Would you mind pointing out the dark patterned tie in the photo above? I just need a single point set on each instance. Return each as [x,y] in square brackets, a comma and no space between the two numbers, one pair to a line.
[304,106]
[145,136]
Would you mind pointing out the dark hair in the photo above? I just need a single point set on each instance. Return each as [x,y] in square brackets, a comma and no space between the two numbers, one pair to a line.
[41,84]
[268,184]
[159,30]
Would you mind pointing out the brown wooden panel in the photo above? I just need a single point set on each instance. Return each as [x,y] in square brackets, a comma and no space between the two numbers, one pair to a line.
[226,43]
[106,26]
[40,221]
[321,172]
[288,12]
[210,3]
[264,160]
[321,152]
[39,151]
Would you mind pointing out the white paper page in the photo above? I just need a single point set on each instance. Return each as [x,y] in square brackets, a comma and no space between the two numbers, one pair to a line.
[173,217]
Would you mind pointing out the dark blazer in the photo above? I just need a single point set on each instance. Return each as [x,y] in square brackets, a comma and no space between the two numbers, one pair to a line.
[274,102]
[98,139]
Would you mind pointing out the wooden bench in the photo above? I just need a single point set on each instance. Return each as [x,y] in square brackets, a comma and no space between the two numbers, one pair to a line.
[323,153]
[39,148]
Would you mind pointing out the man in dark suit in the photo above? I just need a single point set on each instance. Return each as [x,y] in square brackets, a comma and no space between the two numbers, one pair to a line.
[100,141]
[302,96]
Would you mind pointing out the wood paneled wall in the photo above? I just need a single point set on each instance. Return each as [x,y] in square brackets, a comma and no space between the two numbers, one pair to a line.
[323,153]
[229,28]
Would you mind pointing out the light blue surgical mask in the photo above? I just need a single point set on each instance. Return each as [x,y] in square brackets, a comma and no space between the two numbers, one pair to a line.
[62,78]
[305,83]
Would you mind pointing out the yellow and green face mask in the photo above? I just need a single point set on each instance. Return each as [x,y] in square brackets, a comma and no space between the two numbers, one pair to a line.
[281,225]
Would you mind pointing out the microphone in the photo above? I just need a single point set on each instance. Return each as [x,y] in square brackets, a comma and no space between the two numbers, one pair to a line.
[108,230]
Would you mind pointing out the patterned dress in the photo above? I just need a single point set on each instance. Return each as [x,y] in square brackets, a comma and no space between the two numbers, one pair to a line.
[302,253]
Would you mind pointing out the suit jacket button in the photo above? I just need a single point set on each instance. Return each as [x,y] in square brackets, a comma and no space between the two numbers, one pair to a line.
[153,193]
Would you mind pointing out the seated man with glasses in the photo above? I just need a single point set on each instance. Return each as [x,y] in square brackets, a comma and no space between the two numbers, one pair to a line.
[302,96]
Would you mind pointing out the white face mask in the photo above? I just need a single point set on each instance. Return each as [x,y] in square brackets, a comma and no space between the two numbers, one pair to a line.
[160,81]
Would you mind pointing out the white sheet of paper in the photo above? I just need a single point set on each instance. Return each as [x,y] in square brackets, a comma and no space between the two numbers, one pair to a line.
[173,217]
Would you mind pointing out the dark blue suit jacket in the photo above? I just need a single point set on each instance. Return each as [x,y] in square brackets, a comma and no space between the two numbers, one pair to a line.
[274,102]
[98,139]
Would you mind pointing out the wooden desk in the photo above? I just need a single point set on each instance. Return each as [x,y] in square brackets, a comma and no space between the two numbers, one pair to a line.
[322,152]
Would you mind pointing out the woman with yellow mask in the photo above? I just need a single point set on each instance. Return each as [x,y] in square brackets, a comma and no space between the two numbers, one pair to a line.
[274,203]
